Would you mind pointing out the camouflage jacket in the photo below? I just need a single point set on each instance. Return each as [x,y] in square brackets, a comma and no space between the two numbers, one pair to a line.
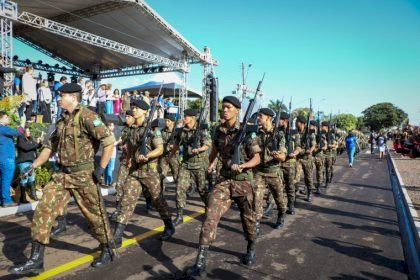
[154,139]
[223,141]
[186,139]
[265,141]
[302,142]
[77,143]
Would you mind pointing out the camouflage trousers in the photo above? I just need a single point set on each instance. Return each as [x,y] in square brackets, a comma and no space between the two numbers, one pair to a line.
[138,181]
[57,194]
[329,167]
[274,182]
[198,176]
[319,165]
[219,201]
[172,164]
[289,172]
[307,165]
[122,178]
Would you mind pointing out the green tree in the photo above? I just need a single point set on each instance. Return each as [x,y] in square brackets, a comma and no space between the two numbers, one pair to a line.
[345,121]
[383,115]
[275,105]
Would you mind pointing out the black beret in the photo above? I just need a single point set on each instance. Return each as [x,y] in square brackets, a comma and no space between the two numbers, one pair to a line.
[313,122]
[70,88]
[301,119]
[267,112]
[284,115]
[190,112]
[129,113]
[232,100]
[325,123]
[140,104]
[171,117]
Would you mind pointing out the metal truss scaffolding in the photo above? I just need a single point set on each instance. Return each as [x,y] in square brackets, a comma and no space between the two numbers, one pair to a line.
[9,9]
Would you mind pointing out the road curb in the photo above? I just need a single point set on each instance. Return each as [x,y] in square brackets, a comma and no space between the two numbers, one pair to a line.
[31,206]
[408,220]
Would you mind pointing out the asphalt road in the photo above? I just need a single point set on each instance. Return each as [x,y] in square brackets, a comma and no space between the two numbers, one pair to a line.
[350,231]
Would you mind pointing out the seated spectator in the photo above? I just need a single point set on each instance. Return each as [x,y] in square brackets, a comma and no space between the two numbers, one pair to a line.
[7,159]
[26,147]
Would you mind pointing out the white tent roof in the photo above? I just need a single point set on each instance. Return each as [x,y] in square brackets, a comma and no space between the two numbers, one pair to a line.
[130,22]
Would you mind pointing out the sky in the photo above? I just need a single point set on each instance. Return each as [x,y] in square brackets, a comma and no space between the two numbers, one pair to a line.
[345,54]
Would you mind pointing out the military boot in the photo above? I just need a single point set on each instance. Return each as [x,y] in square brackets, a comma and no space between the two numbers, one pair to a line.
[168,231]
[199,268]
[61,226]
[149,205]
[290,208]
[280,221]
[104,258]
[250,257]
[32,191]
[179,219]
[309,196]
[34,265]
[268,211]
[317,190]
[114,215]
[118,234]
[258,228]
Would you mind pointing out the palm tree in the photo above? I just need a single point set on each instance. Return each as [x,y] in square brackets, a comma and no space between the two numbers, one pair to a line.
[275,106]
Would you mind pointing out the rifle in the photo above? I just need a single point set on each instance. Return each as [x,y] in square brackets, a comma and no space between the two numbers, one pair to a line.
[288,131]
[329,133]
[197,133]
[307,132]
[275,146]
[236,158]
[321,143]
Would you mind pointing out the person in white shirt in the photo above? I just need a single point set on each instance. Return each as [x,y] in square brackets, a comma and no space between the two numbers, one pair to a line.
[29,87]
[45,98]
[85,92]
[91,100]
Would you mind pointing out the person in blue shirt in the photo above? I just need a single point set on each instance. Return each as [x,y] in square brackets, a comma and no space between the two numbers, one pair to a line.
[351,144]
[380,142]
[7,159]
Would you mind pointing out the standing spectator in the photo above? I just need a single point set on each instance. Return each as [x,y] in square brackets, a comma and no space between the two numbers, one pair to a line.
[91,100]
[146,97]
[17,82]
[88,85]
[7,160]
[351,144]
[372,143]
[126,101]
[81,83]
[26,147]
[45,98]
[29,87]
[63,80]
[380,142]
[4,70]
[116,102]
[109,169]
[101,98]
[109,99]
[169,103]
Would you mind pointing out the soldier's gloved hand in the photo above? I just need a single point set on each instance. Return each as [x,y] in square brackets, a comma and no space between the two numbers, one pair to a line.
[97,173]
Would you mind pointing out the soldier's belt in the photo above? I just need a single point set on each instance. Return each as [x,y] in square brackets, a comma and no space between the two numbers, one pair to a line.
[76,168]
[149,166]
[245,176]
[269,169]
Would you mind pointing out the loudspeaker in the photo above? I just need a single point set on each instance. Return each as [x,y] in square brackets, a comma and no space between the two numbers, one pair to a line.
[111,118]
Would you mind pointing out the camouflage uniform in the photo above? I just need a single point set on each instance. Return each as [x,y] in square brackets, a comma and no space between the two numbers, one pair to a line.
[75,175]
[142,175]
[319,160]
[289,171]
[192,166]
[167,162]
[231,186]
[330,154]
[123,168]
[268,173]
[306,161]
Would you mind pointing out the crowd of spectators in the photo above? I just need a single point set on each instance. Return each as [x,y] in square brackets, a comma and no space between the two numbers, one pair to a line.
[407,141]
